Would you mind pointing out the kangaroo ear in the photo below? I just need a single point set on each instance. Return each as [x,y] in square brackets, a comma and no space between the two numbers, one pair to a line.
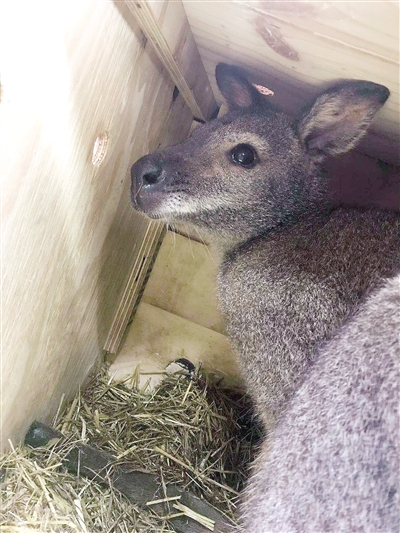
[340,117]
[235,88]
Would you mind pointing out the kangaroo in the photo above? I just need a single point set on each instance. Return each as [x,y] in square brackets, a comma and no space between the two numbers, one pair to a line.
[333,461]
[291,266]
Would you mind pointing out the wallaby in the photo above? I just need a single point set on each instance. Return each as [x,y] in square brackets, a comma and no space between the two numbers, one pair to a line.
[292,267]
[333,461]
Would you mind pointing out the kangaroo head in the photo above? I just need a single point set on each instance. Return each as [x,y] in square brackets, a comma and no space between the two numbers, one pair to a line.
[255,168]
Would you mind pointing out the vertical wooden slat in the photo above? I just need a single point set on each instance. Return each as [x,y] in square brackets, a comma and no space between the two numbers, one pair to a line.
[198,97]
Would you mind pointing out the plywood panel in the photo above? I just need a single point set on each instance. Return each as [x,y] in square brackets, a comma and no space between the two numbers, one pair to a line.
[70,71]
[292,47]
[183,282]
[157,337]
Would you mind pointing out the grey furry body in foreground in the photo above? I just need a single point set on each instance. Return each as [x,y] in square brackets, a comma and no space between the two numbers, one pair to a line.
[333,461]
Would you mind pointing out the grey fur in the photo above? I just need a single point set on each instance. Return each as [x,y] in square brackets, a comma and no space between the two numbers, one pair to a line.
[282,295]
[333,461]
[292,269]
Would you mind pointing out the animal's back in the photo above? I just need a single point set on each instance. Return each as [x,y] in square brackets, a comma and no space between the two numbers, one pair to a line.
[283,293]
[333,462]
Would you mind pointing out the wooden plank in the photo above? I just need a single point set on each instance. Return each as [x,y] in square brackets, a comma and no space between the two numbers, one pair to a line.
[134,285]
[177,51]
[70,235]
[156,337]
[292,47]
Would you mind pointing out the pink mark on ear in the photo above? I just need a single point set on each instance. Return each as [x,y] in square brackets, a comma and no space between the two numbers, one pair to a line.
[240,94]
[263,90]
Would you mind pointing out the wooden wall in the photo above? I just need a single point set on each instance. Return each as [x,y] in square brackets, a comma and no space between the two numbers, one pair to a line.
[178,317]
[72,71]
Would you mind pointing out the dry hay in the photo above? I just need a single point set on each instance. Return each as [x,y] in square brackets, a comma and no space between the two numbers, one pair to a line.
[190,432]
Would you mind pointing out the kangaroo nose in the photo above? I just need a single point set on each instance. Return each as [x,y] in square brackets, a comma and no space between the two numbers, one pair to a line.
[146,173]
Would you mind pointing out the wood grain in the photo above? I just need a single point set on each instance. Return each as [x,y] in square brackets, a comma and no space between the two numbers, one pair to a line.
[183,282]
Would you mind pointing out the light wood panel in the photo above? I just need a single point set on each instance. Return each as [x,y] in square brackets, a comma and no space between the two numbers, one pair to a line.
[70,71]
[183,282]
[292,47]
[178,317]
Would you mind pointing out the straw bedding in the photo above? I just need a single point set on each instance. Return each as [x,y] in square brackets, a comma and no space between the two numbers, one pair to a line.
[191,432]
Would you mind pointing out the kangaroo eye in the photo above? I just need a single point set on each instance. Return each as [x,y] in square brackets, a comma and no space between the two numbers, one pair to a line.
[244,155]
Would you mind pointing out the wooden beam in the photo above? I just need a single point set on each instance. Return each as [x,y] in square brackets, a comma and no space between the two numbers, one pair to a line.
[197,96]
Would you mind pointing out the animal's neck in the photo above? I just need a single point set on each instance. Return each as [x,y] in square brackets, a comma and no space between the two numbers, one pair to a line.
[228,231]
[219,241]
[230,244]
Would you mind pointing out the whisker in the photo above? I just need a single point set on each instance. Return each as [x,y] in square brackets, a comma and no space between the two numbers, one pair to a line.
[138,191]
[172,229]
[190,244]
[205,244]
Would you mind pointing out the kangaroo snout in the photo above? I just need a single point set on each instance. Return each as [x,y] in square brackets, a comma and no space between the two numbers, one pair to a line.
[147,182]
